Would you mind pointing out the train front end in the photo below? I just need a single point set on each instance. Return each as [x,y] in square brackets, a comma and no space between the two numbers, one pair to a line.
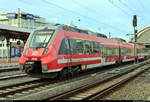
[39,53]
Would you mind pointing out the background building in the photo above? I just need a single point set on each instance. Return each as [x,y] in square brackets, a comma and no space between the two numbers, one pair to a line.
[22,20]
[143,37]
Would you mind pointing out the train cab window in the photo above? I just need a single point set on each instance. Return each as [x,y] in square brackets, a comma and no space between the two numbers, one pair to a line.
[40,38]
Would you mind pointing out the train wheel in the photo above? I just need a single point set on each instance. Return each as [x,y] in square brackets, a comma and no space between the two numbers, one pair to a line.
[77,70]
[70,72]
[117,63]
[66,73]
[63,74]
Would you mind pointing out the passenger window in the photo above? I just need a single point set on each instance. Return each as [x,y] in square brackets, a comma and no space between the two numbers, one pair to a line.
[101,48]
[104,52]
[64,47]
[79,47]
[73,46]
[95,48]
[109,52]
[88,47]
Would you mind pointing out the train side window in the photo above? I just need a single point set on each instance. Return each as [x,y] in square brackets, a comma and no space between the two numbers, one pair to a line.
[128,52]
[100,48]
[79,47]
[113,52]
[63,47]
[95,47]
[88,47]
[104,52]
[73,46]
[117,51]
[122,51]
[109,52]
[125,51]
[132,52]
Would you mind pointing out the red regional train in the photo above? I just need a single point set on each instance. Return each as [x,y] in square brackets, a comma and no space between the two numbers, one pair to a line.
[60,50]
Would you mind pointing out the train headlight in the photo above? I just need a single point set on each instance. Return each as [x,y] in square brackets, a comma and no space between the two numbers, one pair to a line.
[45,51]
[44,68]
[21,67]
[26,52]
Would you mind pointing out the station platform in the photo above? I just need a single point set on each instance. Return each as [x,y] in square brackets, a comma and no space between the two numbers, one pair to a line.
[9,60]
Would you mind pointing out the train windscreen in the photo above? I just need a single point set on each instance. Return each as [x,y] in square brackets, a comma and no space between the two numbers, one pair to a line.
[40,38]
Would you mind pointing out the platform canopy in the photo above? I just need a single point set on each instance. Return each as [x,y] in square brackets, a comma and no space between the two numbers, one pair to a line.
[14,32]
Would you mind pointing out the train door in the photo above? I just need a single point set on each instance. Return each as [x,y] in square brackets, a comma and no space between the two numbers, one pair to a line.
[102,52]
[65,50]
[119,55]
[69,52]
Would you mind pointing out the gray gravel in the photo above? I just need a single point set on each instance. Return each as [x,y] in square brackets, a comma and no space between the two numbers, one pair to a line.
[10,73]
[137,89]
[16,81]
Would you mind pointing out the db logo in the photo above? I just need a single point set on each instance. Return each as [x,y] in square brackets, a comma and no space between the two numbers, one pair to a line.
[35,53]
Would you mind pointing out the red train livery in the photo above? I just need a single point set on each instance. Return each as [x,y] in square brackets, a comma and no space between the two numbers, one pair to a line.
[61,50]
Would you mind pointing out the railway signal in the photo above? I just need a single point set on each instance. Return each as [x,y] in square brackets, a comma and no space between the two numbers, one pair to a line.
[134,21]
[135,36]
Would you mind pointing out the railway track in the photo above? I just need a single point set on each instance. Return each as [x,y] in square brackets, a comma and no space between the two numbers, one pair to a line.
[8,69]
[25,89]
[101,88]
[11,91]
[12,76]
[63,89]
[21,89]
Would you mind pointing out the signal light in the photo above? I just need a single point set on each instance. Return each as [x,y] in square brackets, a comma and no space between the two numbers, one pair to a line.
[134,21]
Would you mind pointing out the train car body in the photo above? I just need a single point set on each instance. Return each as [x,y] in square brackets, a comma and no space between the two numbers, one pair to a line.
[58,50]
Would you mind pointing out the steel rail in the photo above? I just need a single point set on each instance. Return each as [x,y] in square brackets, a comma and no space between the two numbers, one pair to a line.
[106,91]
[78,90]
[8,69]
[13,76]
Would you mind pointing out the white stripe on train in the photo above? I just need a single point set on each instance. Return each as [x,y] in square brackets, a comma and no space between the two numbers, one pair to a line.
[84,67]
[77,59]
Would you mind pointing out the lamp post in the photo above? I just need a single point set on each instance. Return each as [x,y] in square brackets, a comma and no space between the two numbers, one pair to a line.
[135,36]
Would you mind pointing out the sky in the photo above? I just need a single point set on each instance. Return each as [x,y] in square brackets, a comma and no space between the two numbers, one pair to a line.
[104,16]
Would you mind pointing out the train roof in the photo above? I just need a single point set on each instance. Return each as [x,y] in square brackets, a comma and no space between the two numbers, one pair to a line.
[88,34]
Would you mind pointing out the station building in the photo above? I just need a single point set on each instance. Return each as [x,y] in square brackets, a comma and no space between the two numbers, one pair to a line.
[143,37]
[21,20]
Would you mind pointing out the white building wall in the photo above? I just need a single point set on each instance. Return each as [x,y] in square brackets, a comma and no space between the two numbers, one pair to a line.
[24,23]
[4,49]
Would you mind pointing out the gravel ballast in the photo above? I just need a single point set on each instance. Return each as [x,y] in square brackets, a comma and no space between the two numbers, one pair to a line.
[137,89]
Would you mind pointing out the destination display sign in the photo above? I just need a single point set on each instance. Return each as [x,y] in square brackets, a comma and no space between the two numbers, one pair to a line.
[46,32]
